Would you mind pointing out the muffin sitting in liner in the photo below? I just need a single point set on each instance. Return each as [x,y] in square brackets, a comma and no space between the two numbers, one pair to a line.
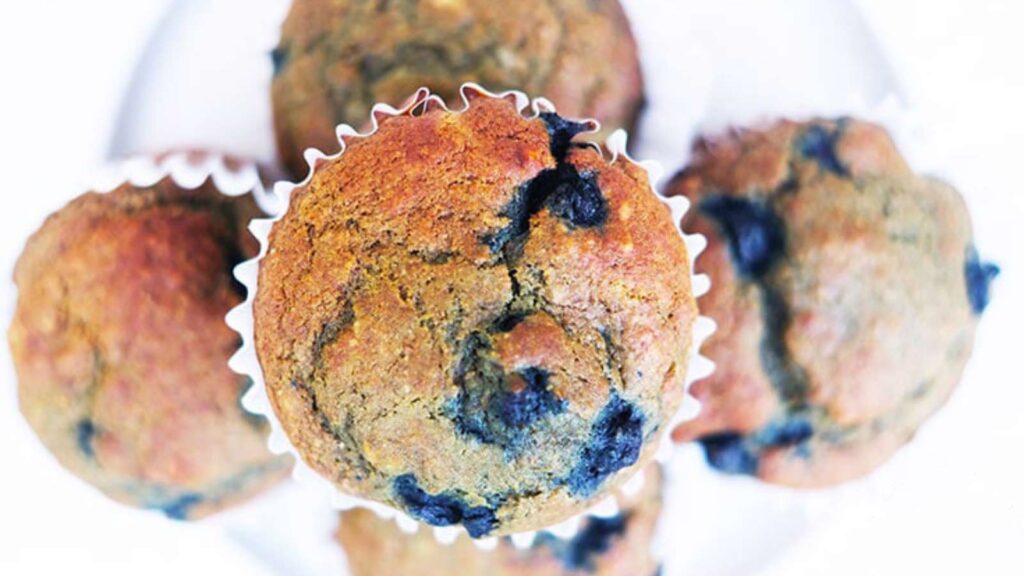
[618,545]
[337,58]
[471,318]
[846,290]
[121,348]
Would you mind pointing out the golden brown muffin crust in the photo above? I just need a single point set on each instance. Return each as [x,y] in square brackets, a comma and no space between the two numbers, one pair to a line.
[121,347]
[337,58]
[841,288]
[449,310]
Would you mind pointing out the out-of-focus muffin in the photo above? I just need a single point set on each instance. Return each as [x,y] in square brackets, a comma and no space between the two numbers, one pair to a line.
[337,58]
[846,290]
[121,348]
[612,546]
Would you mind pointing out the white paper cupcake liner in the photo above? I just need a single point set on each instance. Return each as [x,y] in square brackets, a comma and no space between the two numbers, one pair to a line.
[246,362]
[189,170]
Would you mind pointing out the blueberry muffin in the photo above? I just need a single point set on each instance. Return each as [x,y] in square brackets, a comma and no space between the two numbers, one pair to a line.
[615,546]
[846,290]
[473,319]
[337,58]
[121,348]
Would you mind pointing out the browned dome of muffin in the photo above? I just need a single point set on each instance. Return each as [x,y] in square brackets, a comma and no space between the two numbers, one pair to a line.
[470,318]
[619,545]
[121,348]
[846,291]
[337,58]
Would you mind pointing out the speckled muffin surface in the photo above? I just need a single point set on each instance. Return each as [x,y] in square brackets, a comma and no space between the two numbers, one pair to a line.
[619,545]
[121,348]
[337,58]
[846,290]
[470,318]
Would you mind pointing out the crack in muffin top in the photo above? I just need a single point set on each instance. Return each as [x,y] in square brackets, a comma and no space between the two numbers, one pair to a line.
[471,318]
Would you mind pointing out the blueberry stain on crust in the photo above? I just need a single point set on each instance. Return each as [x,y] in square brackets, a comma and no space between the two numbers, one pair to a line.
[728,452]
[85,432]
[495,407]
[594,539]
[734,453]
[443,509]
[757,244]
[979,276]
[179,508]
[819,144]
[536,400]
[615,442]
[279,58]
[790,432]
[753,230]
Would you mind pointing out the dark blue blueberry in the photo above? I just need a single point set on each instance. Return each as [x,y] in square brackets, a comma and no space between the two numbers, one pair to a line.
[479,521]
[594,539]
[614,443]
[508,321]
[527,201]
[278,57]
[728,452]
[979,277]
[578,200]
[561,133]
[442,509]
[178,509]
[85,431]
[753,230]
[659,571]
[434,510]
[573,197]
[518,409]
[787,433]
[819,144]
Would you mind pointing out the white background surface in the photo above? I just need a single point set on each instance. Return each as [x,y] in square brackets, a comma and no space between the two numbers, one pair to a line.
[952,502]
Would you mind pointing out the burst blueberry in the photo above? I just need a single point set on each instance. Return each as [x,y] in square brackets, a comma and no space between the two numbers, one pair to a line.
[578,200]
[561,132]
[442,509]
[615,442]
[519,409]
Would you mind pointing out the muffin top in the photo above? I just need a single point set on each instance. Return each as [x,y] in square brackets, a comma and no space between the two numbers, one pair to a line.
[473,319]
[337,58]
[846,291]
[619,545]
[121,348]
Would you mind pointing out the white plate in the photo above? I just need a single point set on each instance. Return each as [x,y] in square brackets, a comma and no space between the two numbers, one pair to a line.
[204,82]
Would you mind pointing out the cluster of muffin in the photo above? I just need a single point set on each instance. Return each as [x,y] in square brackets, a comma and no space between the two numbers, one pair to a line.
[477,318]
